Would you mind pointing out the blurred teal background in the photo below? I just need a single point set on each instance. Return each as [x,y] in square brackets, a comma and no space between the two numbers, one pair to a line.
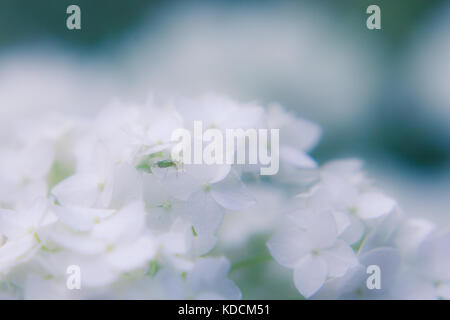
[394,119]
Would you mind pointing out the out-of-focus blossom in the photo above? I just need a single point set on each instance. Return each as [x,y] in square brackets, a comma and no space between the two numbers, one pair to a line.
[104,194]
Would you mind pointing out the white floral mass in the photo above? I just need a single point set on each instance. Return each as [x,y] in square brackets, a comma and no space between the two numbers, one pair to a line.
[104,194]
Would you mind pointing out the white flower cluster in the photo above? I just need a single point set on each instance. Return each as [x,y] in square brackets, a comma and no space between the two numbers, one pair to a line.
[104,194]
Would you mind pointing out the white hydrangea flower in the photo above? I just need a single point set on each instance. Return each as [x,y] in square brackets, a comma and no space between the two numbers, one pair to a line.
[104,244]
[208,191]
[24,229]
[309,245]
[342,188]
[104,194]
[23,172]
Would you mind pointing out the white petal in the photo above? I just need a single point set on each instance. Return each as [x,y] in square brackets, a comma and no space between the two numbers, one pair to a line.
[383,233]
[342,221]
[203,243]
[80,219]
[16,251]
[320,227]
[339,259]
[434,257]
[412,233]
[310,136]
[340,190]
[298,159]
[37,288]
[291,126]
[125,225]
[159,219]
[178,183]
[127,186]
[78,242]
[373,205]
[95,272]
[130,256]
[443,291]
[154,193]
[289,245]
[212,173]
[410,286]
[10,224]
[174,243]
[354,231]
[352,283]
[78,190]
[204,212]
[310,275]
[388,259]
[38,159]
[209,278]
[232,194]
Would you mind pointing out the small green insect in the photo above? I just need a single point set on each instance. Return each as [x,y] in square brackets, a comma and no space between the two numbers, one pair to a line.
[166,164]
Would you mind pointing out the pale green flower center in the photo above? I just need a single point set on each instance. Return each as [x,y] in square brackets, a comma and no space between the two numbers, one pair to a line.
[167,205]
[101,186]
[206,187]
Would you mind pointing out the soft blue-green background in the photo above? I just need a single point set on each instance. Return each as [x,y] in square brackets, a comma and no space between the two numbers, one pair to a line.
[106,23]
